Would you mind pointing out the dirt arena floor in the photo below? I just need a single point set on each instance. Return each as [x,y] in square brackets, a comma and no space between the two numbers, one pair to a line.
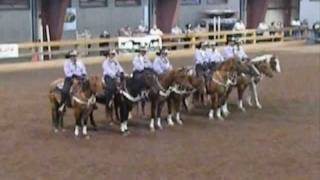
[279,142]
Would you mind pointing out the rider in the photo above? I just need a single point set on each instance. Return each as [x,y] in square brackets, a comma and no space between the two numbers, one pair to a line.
[200,58]
[213,56]
[73,69]
[111,71]
[239,52]
[161,63]
[234,50]
[141,63]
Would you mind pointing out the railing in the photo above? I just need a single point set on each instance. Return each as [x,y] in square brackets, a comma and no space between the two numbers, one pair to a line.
[90,47]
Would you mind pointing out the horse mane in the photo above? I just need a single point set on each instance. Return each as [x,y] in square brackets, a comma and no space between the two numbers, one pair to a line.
[265,57]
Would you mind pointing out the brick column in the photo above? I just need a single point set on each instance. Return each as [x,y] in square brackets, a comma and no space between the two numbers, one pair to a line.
[52,14]
[256,12]
[167,13]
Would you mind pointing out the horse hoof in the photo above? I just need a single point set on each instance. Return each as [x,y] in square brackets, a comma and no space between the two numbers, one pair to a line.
[221,118]
[152,130]
[87,137]
[171,124]
[125,133]
[55,130]
[259,106]
[243,110]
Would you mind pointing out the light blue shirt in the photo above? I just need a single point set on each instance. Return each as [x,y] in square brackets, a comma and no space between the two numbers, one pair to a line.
[200,56]
[111,67]
[240,53]
[141,62]
[228,52]
[71,68]
[161,65]
[232,51]
[214,56]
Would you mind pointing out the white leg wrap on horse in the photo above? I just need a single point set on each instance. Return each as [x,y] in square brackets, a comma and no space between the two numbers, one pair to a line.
[211,114]
[159,123]
[169,120]
[130,115]
[219,114]
[249,100]
[122,127]
[126,125]
[178,118]
[225,110]
[152,125]
[76,131]
[255,93]
[240,106]
[84,130]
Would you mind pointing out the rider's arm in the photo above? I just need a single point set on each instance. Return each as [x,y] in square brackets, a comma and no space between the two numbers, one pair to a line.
[67,69]
[137,64]
[83,69]
[198,57]
[242,53]
[120,69]
[156,65]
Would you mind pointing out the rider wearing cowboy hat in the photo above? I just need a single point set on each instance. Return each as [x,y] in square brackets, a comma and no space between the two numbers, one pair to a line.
[141,63]
[200,58]
[161,63]
[239,52]
[73,69]
[111,70]
[234,50]
[213,56]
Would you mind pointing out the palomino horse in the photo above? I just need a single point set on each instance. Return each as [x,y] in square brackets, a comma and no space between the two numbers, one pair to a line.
[131,94]
[82,102]
[173,85]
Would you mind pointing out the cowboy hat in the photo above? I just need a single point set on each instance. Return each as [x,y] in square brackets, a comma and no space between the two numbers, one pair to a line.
[73,53]
[113,52]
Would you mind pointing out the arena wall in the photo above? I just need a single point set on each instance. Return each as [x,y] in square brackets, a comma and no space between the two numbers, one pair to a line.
[192,13]
[15,26]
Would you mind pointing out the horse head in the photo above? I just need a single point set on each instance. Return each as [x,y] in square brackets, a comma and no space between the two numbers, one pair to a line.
[151,82]
[95,84]
[265,68]
[181,78]
[275,64]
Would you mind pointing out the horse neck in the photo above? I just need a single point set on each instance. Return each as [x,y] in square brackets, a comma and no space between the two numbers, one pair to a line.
[167,80]
[220,75]
[131,88]
[225,66]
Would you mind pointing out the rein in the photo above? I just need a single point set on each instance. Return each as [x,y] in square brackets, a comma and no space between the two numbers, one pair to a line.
[224,84]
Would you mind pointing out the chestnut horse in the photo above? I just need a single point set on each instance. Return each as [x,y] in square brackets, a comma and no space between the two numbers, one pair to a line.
[83,100]
[172,83]
[221,81]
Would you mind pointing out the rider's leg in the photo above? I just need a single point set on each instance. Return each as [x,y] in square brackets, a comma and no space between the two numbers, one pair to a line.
[65,92]
[110,89]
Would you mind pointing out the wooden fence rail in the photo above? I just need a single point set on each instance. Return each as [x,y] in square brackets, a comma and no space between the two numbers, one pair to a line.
[90,47]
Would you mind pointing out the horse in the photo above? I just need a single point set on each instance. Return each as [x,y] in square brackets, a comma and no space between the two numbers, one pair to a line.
[82,97]
[221,83]
[130,93]
[267,65]
[173,85]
